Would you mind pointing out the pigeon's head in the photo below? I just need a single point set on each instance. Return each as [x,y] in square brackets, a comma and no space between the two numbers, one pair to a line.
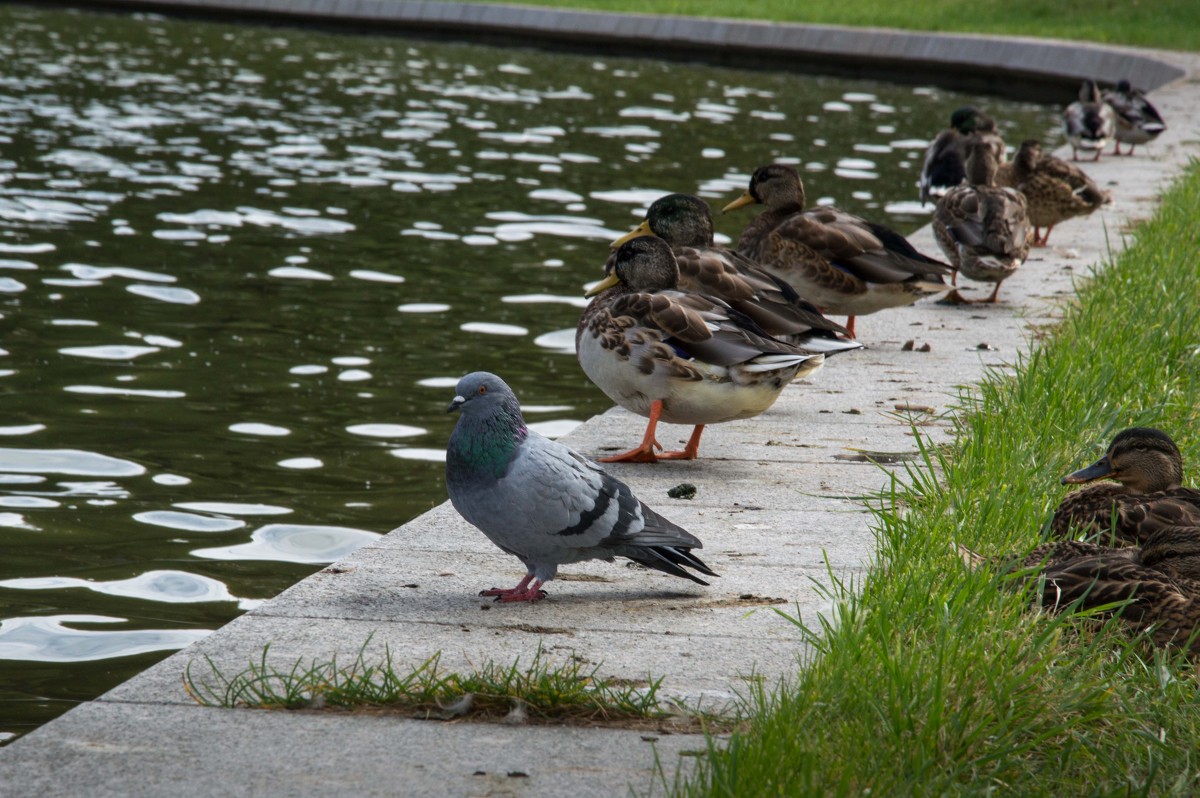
[480,393]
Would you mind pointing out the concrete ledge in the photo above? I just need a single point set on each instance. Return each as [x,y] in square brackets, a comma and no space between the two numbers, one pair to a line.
[1027,68]
[778,508]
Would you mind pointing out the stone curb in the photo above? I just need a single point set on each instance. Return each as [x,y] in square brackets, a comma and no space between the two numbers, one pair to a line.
[1027,68]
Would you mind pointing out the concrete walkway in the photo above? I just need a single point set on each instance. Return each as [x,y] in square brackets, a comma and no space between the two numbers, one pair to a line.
[777,498]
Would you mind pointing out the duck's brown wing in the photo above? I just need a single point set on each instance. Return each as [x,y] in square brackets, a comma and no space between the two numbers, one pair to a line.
[870,252]
[772,303]
[1132,519]
[702,328]
[1151,598]
[1075,178]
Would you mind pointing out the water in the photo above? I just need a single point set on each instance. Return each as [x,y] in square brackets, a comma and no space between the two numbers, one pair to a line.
[242,268]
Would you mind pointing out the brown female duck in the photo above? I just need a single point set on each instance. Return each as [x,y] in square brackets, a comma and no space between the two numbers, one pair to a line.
[836,260]
[1054,189]
[982,229]
[1146,497]
[1156,585]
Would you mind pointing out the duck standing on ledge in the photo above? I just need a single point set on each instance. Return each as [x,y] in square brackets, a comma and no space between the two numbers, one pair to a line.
[1089,122]
[945,163]
[838,261]
[982,229]
[1054,189]
[685,222]
[674,356]
[1138,121]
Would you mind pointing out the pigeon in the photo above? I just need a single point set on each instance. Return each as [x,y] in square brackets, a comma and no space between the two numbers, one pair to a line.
[543,502]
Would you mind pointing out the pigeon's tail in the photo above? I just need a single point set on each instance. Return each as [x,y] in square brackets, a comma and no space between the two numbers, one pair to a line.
[668,559]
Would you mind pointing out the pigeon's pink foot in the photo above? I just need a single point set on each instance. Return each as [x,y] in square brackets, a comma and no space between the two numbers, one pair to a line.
[524,591]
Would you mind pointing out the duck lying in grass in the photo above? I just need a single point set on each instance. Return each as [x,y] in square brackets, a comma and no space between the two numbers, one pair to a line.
[1147,496]
[678,357]
[1155,587]
[1138,121]
[839,262]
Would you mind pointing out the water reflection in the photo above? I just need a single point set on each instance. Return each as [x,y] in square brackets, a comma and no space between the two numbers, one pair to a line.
[49,639]
[294,543]
[241,269]
[172,587]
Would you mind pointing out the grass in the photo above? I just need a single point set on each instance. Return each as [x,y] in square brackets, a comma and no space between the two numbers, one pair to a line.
[1171,24]
[538,692]
[941,681]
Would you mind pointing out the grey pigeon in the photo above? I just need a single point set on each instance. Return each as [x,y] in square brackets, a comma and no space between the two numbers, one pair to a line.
[545,503]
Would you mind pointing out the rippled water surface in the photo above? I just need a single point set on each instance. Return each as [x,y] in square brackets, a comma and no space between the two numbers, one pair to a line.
[242,268]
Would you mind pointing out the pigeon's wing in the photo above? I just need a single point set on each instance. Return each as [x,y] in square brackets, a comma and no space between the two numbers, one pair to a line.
[574,506]
[570,501]
[584,505]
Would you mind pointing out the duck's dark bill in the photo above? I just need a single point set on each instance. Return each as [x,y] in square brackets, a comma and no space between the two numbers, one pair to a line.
[1097,470]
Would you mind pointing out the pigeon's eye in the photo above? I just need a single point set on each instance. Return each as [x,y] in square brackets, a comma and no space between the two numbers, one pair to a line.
[482,389]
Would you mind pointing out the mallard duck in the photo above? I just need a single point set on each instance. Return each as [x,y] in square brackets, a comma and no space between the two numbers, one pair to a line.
[1147,496]
[945,163]
[983,229]
[836,260]
[685,222]
[945,160]
[1138,121]
[1054,189]
[1089,122]
[1157,585]
[678,357]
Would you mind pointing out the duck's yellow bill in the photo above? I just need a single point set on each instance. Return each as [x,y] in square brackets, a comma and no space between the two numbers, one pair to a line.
[746,199]
[642,229]
[605,284]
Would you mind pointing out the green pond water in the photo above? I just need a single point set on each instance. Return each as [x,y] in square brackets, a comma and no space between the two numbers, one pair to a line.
[241,269]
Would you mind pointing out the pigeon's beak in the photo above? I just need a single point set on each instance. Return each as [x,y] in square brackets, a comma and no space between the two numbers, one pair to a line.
[456,404]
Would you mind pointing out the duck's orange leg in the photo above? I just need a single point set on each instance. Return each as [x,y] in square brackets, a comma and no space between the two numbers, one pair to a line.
[689,452]
[643,453]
